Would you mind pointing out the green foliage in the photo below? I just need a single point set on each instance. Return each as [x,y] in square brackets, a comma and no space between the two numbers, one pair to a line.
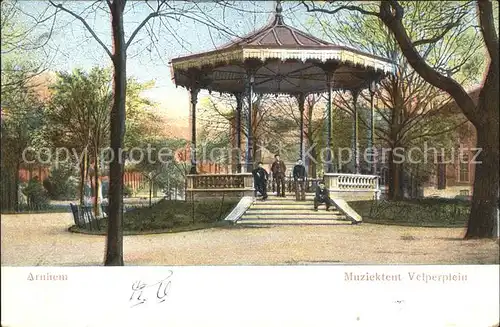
[37,197]
[423,212]
[161,166]
[61,184]
[457,52]
[21,47]
[79,109]
[21,124]
[212,148]
[408,110]
[142,123]
[127,191]
[174,214]
[79,114]
[22,117]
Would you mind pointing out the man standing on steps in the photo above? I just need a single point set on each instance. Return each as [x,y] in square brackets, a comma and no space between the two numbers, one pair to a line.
[299,177]
[278,169]
[261,176]
[322,196]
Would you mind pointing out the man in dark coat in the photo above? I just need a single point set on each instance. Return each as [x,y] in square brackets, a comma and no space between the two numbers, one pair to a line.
[322,196]
[261,176]
[299,177]
[278,169]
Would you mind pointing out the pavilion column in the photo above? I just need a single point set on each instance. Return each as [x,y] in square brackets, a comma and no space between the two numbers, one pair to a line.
[329,158]
[194,100]
[301,98]
[355,134]
[239,106]
[249,154]
[329,68]
[371,139]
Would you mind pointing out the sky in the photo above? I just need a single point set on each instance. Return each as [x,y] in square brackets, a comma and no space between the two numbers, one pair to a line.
[72,46]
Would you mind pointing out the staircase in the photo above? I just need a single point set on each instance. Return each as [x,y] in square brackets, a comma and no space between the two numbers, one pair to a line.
[288,211]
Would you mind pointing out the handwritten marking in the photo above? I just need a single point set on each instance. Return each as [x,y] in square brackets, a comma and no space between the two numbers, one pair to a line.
[140,288]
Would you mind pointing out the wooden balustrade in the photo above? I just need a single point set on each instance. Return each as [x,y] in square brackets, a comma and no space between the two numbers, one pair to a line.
[222,181]
[214,185]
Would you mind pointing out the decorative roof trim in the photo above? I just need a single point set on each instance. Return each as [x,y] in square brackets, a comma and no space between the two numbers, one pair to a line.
[342,55]
[214,58]
[295,37]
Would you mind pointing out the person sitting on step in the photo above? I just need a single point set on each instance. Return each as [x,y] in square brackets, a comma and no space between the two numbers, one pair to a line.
[322,196]
[260,176]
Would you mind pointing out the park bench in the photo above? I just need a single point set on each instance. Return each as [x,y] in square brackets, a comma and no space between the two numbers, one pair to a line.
[84,217]
[104,207]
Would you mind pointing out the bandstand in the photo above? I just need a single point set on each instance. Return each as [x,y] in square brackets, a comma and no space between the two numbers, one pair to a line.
[282,60]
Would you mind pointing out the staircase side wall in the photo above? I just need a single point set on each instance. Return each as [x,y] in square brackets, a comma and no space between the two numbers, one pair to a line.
[354,195]
[240,209]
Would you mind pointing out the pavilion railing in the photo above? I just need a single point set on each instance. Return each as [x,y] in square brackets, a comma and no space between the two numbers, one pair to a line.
[367,184]
[242,181]
[353,185]
[341,186]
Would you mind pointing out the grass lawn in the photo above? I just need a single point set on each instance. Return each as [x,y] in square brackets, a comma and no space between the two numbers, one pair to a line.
[171,216]
[422,212]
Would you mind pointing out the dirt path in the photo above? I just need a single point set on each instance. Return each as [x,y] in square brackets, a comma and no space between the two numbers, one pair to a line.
[43,239]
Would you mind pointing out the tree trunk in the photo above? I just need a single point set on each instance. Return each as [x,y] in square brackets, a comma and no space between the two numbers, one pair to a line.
[150,191]
[394,178]
[88,179]
[82,181]
[312,163]
[8,187]
[169,193]
[185,189]
[16,187]
[484,211]
[97,185]
[114,241]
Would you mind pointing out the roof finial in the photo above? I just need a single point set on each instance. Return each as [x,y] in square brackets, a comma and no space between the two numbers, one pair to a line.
[279,16]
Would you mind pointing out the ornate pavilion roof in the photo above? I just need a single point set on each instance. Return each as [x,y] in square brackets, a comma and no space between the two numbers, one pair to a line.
[285,60]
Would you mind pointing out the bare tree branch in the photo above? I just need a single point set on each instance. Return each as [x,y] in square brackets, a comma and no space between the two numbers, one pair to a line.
[345,7]
[487,23]
[87,26]
[441,35]
[141,25]
[394,23]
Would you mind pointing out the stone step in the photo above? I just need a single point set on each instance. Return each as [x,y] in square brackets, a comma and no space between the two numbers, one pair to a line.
[289,194]
[288,197]
[294,213]
[275,202]
[293,217]
[264,222]
[288,206]
[302,207]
